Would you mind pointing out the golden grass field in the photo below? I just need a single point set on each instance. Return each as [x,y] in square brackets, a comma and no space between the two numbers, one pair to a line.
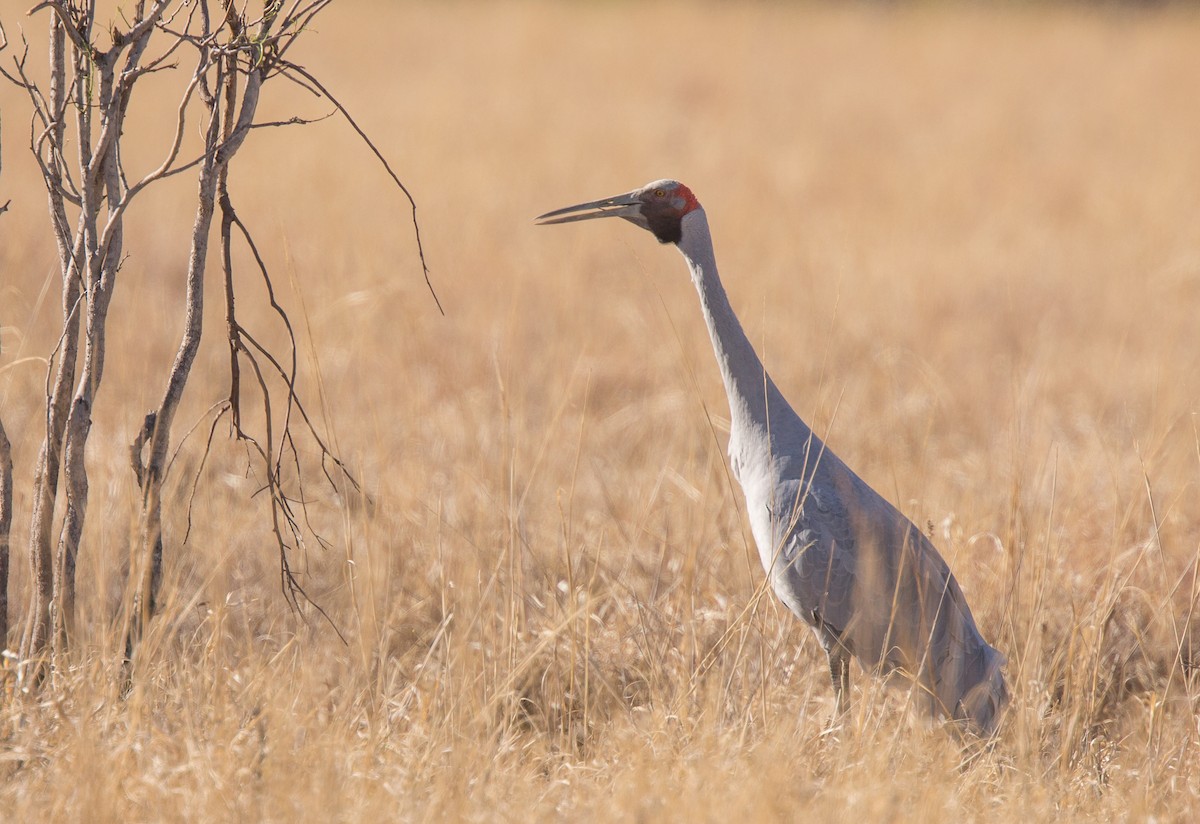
[967,243]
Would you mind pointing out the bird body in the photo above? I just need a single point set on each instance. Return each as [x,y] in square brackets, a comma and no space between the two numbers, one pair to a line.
[839,556]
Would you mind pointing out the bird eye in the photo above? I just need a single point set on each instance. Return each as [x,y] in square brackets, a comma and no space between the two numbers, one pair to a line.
[659,193]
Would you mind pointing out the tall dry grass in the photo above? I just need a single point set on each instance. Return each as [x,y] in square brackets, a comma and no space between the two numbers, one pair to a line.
[968,245]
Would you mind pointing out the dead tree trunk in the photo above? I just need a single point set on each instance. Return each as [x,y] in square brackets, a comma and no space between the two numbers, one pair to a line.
[223,138]
[103,194]
[97,95]
[70,253]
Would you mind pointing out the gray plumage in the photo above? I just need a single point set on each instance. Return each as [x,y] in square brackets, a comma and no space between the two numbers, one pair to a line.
[837,554]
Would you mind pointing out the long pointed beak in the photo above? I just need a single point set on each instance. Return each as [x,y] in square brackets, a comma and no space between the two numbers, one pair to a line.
[626,205]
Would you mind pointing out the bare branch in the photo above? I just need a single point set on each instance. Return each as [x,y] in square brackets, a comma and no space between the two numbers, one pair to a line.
[56,175]
[298,18]
[142,28]
[292,121]
[282,512]
[59,391]
[374,150]
[56,108]
[292,589]
[245,119]
[288,376]
[164,170]
[297,24]
[72,27]
[115,108]
[222,407]
[150,68]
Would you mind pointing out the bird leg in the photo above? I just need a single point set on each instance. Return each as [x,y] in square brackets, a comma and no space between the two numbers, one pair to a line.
[839,663]
[839,673]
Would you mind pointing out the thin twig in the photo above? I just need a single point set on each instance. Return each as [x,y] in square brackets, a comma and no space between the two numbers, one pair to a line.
[71,27]
[387,166]
[223,408]
[289,377]
[293,121]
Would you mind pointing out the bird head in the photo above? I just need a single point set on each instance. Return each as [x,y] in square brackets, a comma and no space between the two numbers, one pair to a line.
[658,207]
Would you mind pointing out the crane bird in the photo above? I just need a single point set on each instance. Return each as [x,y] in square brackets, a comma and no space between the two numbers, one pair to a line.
[839,556]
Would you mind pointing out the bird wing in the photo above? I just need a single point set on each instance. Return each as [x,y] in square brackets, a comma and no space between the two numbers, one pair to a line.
[859,571]
[816,555]
[868,573]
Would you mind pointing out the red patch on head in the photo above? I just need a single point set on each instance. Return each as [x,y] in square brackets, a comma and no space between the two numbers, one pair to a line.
[689,200]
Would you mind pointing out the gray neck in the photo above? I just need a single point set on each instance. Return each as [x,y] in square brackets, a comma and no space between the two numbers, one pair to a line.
[755,404]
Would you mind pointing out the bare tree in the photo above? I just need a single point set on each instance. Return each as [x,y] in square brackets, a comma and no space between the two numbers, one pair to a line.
[234,51]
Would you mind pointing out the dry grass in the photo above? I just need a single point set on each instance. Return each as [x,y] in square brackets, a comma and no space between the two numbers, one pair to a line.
[968,243]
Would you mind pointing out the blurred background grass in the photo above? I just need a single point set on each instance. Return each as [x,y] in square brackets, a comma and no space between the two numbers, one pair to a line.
[966,240]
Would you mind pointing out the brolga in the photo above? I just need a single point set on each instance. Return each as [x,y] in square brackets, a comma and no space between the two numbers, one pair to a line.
[839,556]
